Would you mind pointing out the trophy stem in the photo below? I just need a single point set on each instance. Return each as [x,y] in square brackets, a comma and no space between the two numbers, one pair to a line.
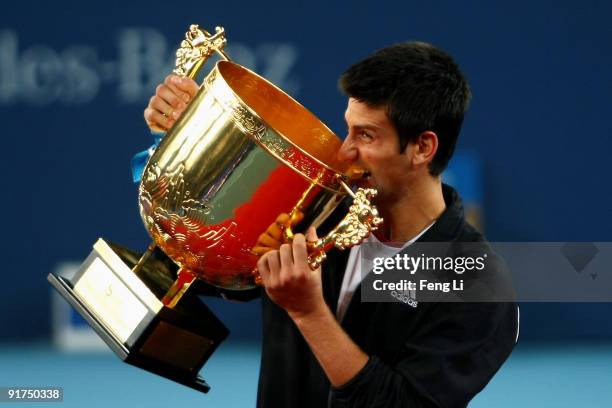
[145,256]
[183,281]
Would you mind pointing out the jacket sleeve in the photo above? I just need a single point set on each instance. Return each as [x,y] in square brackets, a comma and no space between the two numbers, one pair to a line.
[444,364]
[140,159]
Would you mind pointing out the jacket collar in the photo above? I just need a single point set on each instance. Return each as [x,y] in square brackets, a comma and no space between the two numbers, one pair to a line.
[452,220]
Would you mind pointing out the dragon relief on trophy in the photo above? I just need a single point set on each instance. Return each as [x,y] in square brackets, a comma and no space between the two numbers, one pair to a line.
[197,46]
[165,195]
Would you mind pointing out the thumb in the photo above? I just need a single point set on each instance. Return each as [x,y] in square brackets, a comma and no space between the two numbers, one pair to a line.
[311,234]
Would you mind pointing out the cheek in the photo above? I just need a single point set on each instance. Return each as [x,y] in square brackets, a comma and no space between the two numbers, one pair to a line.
[372,155]
[383,159]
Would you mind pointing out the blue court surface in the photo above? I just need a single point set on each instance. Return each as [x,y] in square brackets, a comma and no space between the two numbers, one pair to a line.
[536,375]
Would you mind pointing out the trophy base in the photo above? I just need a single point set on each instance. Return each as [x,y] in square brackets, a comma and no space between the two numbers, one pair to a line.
[125,311]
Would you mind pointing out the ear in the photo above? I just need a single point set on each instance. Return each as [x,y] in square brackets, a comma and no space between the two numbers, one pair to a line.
[424,148]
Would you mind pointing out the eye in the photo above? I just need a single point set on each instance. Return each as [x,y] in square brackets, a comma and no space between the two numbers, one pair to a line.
[365,136]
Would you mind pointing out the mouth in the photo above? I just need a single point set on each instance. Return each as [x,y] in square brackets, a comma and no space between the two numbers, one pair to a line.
[365,180]
[360,177]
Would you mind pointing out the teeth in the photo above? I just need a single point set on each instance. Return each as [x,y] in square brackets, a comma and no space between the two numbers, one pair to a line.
[356,173]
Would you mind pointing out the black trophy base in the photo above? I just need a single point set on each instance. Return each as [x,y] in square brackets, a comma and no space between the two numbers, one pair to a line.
[125,311]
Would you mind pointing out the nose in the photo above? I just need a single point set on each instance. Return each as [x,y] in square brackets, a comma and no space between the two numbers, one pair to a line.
[348,152]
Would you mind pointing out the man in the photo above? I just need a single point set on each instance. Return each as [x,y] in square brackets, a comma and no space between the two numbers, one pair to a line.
[322,345]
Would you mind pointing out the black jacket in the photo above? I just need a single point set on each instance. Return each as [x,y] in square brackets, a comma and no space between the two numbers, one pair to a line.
[434,355]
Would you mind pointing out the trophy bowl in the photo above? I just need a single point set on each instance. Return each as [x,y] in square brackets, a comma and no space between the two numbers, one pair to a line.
[241,154]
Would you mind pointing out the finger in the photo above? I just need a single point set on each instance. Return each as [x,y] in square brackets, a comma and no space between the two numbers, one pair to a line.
[170,97]
[263,269]
[275,231]
[259,250]
[311,234]
[286,255]
[156,120]
[268,241]
[186,85]
[300,252]
[173,82]
[296,217]
[183,96]
[163,107]
[274,267]
[286,259]
[282,219]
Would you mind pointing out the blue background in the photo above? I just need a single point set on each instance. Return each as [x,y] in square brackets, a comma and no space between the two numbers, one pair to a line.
[75,77]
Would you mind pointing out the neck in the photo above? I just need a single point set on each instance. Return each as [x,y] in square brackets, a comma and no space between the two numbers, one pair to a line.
[420,204]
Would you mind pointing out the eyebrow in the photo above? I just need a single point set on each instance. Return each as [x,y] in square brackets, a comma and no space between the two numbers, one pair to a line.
[370,126]
[366,126]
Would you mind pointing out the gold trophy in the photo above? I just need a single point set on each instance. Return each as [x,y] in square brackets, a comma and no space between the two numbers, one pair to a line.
[242,153]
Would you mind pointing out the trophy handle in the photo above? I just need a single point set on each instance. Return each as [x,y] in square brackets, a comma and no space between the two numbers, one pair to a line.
[361,219]
[196,48]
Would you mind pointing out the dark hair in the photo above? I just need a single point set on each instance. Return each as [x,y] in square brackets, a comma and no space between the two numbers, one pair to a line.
[422,88]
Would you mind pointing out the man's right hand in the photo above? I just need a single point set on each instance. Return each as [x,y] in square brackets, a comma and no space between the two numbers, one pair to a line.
[169,102]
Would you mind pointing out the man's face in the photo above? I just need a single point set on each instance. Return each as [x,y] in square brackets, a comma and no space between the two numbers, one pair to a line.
[372,143]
